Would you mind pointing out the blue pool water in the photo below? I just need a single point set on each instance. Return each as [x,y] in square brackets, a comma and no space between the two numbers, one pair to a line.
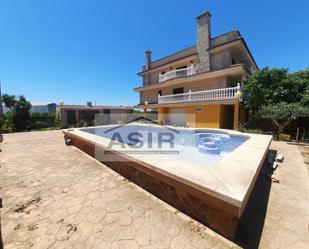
[198,145]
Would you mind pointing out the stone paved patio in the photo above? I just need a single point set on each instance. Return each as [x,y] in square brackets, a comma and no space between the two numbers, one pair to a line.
[54,196]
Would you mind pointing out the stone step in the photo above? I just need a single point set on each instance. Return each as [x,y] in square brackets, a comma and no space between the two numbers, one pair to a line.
[210,144]
[209,150]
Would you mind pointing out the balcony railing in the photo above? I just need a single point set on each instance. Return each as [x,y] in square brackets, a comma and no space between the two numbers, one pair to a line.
[177,73]
[205,96]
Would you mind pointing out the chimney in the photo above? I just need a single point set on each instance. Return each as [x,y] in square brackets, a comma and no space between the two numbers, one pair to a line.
[147,67]
[203,42]
[148,59]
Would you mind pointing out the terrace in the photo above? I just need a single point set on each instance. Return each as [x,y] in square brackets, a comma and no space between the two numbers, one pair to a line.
[228,93]
[177,73]
[55,196]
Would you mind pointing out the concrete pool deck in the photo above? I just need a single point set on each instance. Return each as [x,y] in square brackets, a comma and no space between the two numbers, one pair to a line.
[55,196]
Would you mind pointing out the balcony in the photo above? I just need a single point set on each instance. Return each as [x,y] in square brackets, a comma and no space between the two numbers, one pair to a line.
[202,96]
[177,73]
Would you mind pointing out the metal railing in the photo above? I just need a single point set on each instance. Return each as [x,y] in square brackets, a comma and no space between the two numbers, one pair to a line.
[209,95]
[177,73]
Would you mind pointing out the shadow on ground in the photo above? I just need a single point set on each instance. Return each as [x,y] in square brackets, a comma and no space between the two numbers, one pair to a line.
[1,242]
[251,225]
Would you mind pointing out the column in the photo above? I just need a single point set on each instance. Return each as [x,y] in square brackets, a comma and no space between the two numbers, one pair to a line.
[236,115]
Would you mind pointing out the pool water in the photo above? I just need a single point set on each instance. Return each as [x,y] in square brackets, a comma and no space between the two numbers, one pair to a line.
[200,146]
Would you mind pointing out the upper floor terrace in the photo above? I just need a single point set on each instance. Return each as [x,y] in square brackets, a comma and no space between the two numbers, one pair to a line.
[177,73]
[221,85]
[225,94]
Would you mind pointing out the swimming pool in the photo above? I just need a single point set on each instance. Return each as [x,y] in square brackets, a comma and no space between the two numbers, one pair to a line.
[206,146]
[208,174]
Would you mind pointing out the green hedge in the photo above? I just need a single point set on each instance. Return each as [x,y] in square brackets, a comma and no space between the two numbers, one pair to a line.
[7,124]
[37,121]
[42,120]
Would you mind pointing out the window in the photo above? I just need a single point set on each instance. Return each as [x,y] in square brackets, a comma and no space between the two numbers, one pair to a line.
[198,109]
[160,92]
[178,90]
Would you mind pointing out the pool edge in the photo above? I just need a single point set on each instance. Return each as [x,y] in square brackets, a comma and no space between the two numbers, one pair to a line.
[218,214]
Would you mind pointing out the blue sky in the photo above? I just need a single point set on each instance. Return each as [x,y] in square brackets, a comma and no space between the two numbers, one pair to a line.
[91,50]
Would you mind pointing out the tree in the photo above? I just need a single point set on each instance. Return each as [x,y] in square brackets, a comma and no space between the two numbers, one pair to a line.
[269,87]
[283,114]
[22,114]
[9,101]
[20,110]
[305,99]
